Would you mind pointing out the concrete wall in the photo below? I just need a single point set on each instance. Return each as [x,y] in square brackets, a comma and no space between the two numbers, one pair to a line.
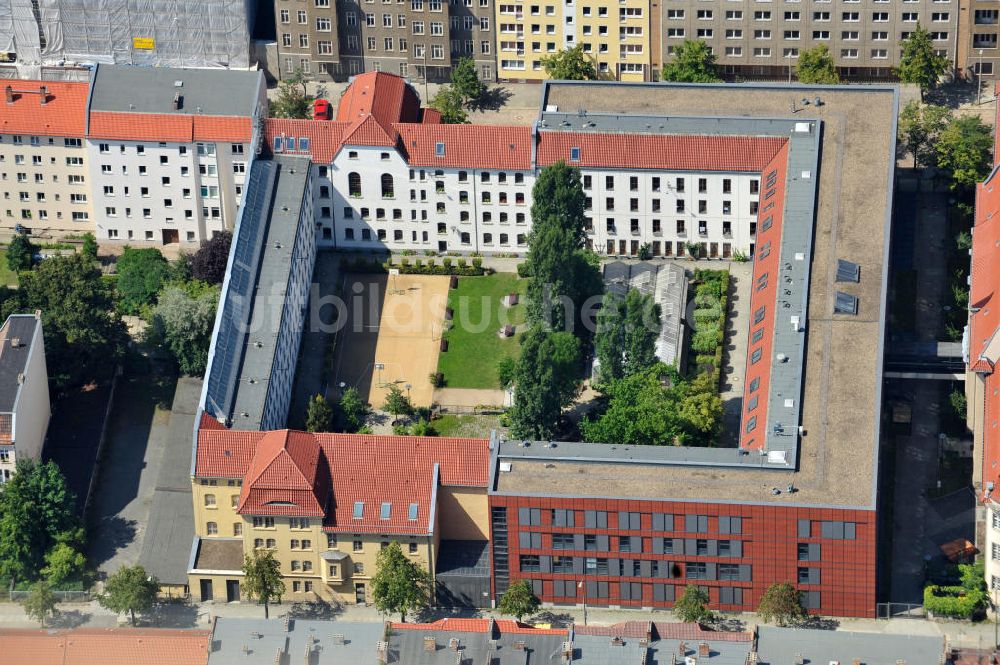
[464,513]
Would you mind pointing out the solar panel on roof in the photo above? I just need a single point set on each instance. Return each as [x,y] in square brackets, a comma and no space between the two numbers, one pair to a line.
[848,271]
[845,304]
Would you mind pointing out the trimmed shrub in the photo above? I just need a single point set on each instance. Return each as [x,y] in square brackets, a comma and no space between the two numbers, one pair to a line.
[954,601]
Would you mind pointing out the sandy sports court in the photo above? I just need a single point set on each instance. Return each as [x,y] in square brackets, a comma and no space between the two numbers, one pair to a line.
[405,341]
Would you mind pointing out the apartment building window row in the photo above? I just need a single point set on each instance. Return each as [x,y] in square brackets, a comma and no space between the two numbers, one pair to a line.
[648,568]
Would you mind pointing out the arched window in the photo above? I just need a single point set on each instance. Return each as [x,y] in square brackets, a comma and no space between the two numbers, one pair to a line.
[354,183]
[387,188]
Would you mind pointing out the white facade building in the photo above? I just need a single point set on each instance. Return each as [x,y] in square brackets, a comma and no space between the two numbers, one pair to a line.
[24,392]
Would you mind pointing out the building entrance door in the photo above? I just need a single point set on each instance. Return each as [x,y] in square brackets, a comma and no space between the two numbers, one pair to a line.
[359,594]
[232,591]
[171,236]
[206,590]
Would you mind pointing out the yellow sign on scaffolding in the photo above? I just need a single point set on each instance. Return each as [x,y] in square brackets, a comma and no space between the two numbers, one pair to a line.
[144,43]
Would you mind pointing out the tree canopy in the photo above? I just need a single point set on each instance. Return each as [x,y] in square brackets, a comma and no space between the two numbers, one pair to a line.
[465,81]
[627,329]
[209,263]
[399,585]
[63,563]
[692,606]
[918,130]
[141,275]
[781,603]
[692,62]
[292,100]
[449,103]
[20,253]
[89,247]
[816,66]
[36,510]
[129,589]
[397,402]
[965,151]
[519,600]
[545,380]
[182,321]
[319,415]
[570,64]
[657,407]
[262,578]
[40,602]
[352,411]
[919,63]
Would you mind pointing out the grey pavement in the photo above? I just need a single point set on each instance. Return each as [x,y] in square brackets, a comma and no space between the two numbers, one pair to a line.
[137,435]
[167,542]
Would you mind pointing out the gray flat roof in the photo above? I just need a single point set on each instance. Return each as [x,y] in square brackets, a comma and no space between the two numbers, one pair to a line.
[406,647]
[151,90]
[278,225]
[259,641]
[781,646]
[841,379]
[13,359]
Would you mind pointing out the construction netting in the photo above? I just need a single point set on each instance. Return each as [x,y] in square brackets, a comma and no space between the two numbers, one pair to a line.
[165,33]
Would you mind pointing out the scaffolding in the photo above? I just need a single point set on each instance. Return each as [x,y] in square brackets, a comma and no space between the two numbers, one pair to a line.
[37,34]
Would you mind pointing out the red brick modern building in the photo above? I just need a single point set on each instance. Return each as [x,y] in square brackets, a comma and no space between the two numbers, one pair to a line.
[614,525]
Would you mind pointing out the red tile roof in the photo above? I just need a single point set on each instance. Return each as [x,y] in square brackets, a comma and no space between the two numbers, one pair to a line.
[386,97]
[467,146]
[505,626]
[324,136]
[285,466]
[369,132]
[285,477]
[64,113]
[104,646]
[658,151]
[182,128]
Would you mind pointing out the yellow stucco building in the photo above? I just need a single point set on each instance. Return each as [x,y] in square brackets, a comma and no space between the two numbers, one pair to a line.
[325,504]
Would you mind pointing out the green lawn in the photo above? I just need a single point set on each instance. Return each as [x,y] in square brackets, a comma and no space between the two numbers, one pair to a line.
[7,276]
[473,344]
[466,426]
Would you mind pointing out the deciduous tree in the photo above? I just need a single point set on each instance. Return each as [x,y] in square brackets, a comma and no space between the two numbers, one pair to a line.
[209,263]
[89,247]
[519,600]
[692,62]
[63,563]
[692,606]
[642,328]
[182,321]
[964,150]
[292,100]
[396,402]
[141,275]
[130,589]
[919,63]
[352,411]
[40,602]
[465,81]
[319,415]
[570,64]
[816,66]
[506,371]
[399,584]
[449,103]
[547,376]
[918,129]
[781,603]
[262,578]
[20,253]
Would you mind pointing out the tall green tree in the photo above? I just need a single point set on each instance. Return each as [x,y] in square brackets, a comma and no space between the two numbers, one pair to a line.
[449,103]
[262,578]
[562,274]
[129,589]
[692,62]
[692,606]
[547,376]
[292,100]
[40,602]
[83,336]
[20,253]
[89,247]
[919,63]
[642,328]
[399,584]
[965,151]
[319,415]
[396,402]
[609,338]
[918,130]
[816,66]
[63,563]
[465,81]
[209,263]
[506,371]
[570,64]
[782,604]
[36,507]
[519,600]
[141,275]
[352,411]
[182,321]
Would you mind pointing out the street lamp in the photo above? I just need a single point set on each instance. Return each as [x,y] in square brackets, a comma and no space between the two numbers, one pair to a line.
[979,79]
[408,386]
[379,367]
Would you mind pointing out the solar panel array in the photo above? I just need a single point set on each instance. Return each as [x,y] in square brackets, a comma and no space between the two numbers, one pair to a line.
[234,322]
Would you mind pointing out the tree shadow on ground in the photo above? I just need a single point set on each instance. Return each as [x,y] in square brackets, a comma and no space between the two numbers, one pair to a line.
[116,533]
[492,99]
[69,619]
[557,620]
[175,614]
[431,614]
[315,610]
[955,94]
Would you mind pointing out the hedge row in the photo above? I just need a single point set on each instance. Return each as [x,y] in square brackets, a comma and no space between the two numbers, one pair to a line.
[418,267]
[710,297]
[957,602]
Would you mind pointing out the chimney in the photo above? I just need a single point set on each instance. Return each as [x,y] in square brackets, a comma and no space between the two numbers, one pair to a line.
[453,644]
[309,650]
[15,342]
[567,651]
[43,93]
[9,92]
[380,648]
[682,649]
[617,641]
[429,643]
[703,649]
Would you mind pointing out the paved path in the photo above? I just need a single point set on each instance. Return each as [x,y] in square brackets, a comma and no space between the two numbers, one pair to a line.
[735,354]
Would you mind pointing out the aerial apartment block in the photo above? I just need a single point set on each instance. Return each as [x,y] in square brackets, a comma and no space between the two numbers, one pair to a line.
[415,38]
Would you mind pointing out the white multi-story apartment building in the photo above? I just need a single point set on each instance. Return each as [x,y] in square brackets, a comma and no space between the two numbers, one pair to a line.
[24,392]
[388,176]
[168,151]
[43,163]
